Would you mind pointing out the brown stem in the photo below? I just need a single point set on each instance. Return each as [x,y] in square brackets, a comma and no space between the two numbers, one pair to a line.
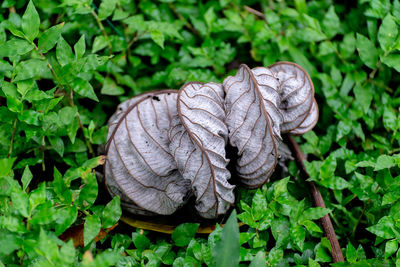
[255,12]
[319,202]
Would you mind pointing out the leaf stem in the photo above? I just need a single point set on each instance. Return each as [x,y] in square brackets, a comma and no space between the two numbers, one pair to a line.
[319,202]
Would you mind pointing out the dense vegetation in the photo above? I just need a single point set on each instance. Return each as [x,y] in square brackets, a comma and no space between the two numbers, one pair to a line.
[65,65]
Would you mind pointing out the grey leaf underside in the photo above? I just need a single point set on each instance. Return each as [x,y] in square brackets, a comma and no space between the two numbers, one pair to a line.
[253,119]
[198,139]
[297,95]
[309,122]
[139,166]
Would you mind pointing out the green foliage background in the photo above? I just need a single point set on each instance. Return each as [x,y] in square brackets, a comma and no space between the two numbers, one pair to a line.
[65,65]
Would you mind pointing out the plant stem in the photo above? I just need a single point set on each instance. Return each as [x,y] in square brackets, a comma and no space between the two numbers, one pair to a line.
[102,29]
[12,138]
[182,18]
[319,202]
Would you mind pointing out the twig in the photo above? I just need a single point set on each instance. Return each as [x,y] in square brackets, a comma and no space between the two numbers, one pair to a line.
[319,202]
[255,12]
[98,21]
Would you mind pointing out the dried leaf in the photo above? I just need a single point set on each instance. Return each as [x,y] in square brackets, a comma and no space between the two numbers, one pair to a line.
[297,94]
[253,120]
[139,166]
[309,122]
[198,139]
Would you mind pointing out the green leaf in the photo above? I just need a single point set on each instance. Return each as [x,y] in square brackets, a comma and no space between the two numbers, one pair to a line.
[384,162]
[184,233]
[20,202]
[32,68]
[298,235]
[140,241]
[37,196]
[351,253]
[84,88]
[80,47]
[111,213]
[6,165]
[57,144]
[314,213]
[88,193]
[26,178]
[387,33]
[328,168]
[259,260]
[392,60]
[15,47]
[158,37]
[65,218]
[30,22]
[391,247]
[64,52]
[226,252]
[111,88]
[383,228]
[91,228]
[50,37]
[331,22]
[367,51]
[99,43]
[106,8]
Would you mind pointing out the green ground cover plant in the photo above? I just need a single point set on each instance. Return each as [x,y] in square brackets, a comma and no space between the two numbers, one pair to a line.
[65,65]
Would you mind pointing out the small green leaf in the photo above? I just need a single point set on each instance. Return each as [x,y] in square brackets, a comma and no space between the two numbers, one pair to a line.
[140,241]
[351,253]
[20,202]
[158,37]
[15,47]
[6,165]
[91,228]
[259,260]
[387,33]
[298,235]
[391,247]
[111,213]
[64,52]
[367,51]
[65,218]
[26,178]
[226,252]
[106,8]
[184,233]
[99,43]
[384,162]
[57,144]
[331,22]
[80,47]
[32,68]
[84,88]
[392,60]
[30,22]
[111,88]
[50,37]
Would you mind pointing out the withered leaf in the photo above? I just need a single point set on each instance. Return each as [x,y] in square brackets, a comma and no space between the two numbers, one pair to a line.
[253,120]
[309,122]
[296,92]
[198,139]
[139,166]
